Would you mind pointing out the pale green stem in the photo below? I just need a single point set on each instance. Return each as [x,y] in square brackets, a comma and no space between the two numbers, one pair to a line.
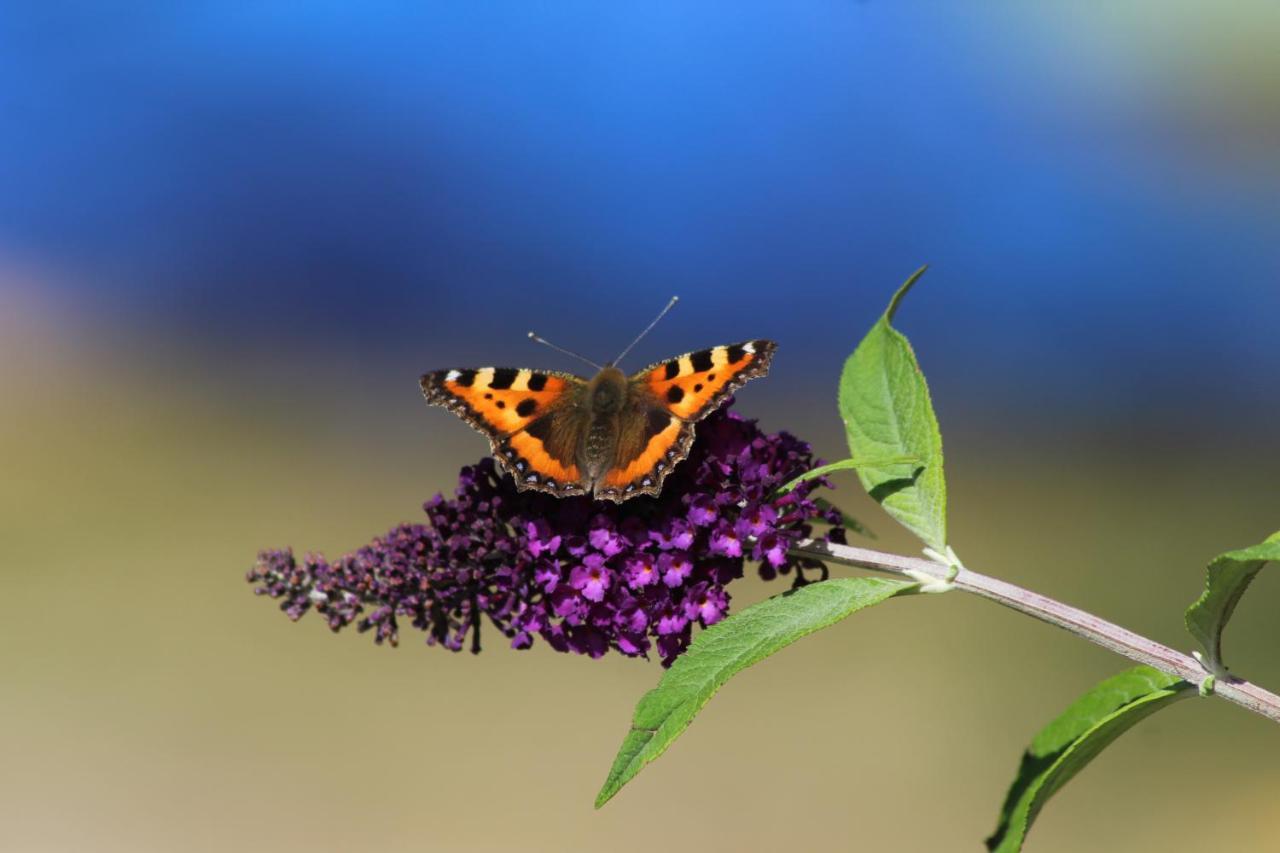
[1122,641]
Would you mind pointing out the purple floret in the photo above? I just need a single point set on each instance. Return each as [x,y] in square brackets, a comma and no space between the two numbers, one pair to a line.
[585,576]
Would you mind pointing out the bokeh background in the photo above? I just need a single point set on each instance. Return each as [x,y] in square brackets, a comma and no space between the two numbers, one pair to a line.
[232,235]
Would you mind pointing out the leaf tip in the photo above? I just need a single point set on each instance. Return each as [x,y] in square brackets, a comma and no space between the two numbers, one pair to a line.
[610,788]
[902,292]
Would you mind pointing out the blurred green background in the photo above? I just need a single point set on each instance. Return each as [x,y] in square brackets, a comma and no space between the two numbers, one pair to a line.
[230,240]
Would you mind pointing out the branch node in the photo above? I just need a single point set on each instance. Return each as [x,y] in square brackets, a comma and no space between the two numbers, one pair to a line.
[1108,635]
[930,583]
[1213,671]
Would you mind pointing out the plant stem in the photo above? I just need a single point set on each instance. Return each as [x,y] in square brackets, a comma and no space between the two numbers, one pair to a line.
[1106,634]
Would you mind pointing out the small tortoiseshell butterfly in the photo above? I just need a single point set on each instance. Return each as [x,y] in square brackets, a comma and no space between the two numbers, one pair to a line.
[612,436]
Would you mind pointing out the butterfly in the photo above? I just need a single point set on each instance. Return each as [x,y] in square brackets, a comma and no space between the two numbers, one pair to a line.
[613,436]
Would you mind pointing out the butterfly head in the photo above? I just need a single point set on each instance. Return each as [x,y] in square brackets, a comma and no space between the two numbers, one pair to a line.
[608,390]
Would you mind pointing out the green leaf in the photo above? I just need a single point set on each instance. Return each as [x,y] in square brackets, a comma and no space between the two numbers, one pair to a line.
[1065,746]
[1226,580]
[884,402]
[848,464]
[725,649]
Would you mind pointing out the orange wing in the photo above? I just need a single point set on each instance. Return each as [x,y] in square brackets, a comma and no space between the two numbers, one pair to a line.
[652,442]
[528,416]
[693,385]
[668,398]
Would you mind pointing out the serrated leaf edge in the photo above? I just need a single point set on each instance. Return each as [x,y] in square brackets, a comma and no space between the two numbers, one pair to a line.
[620,775]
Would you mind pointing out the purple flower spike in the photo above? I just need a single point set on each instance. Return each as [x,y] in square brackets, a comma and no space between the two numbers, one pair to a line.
[672,622]
[675,568]
[603,538]
[726,542]
[547,575]
[772,548]
[702,510]
[585,576]
[591,578]
[541,540]
[642,571]
[706,603]
[757,520]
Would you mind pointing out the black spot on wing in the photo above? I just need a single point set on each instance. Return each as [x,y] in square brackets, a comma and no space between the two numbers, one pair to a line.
[526,407]
[735,354]
[701,360]
[503,377]
[465,378]
[673,368]
[537,381]
[675,394]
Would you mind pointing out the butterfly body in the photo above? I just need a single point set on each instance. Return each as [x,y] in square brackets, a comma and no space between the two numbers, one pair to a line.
[613,436]
[606,398]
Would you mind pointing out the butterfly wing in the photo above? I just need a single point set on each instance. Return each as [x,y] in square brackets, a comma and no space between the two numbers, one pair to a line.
[665,400]
[693,385]
[531,418]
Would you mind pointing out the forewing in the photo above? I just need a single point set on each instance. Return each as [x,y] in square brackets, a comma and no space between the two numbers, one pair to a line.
[529,417]
[693,385]
[498,401]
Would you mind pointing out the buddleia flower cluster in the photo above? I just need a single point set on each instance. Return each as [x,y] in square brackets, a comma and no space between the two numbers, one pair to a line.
[584,576]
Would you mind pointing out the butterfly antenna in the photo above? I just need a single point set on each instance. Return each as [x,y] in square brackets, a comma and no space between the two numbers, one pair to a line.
[533,337]
[661,314]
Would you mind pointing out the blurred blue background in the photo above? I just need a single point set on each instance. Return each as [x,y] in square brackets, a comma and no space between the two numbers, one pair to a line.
[415,185]
[232,235]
